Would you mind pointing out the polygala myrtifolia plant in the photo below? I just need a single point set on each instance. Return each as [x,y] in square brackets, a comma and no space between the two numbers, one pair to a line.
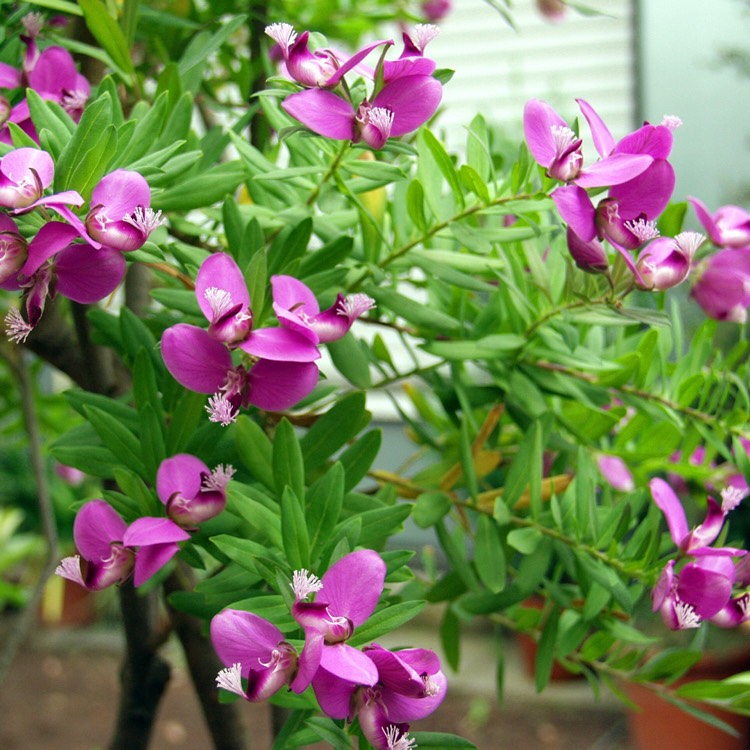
[517,313]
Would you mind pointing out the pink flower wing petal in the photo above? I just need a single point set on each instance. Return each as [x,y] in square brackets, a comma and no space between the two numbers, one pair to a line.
[412,99]
[86,274]
[349,664]
[120,193]
[670,505]
[195,360]
[280,345]
[222,272]
[243,637]
[648,193]
[181,474]
[151,559]
[96,526]
[538,121]
[577,210]
[323,112]
[352,586]
[613,170]
[276,386]
[604,142]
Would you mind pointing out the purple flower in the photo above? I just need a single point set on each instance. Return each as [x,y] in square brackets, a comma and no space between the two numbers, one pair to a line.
[728,227]
[191,492]
[557,148]
[665,262]
[345,597]
[401,107]
[695,542]
[110,550]
[25,173]
[297,309]
[616,472]
[322,68]
[13,249]
[57,265]
[436,10]
[254,649]
[722,286]
[120,216]
[202,364]
[410,686]
[552,10]
[412,60]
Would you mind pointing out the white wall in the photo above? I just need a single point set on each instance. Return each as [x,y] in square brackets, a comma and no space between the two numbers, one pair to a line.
[498,69]
[681,42]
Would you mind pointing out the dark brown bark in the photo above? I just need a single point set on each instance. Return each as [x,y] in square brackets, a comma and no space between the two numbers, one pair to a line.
[144,674]
[223,719]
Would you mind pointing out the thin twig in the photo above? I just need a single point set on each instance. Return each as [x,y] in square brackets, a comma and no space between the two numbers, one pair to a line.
[20,368]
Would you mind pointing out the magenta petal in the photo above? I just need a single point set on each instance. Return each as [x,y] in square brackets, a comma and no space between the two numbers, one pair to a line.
[10,77]
[354,60]
[181,474]
[96,526]
[648,194]
[294,323]
[280,345]
[408,66]
[150,530]
[706,590]
[120,192]
[54,71]
[616,472]
[603,139]
[289,293]
[706,219]
[577,210]
[243,637]
[670,505]
[352,586]
[49,240]
[654,140]
[17,165]
[709,529]
[323,112]
[222,272]
[538,120]
[151,559]
[613,170]
[334,694]
[402,708]
[275,386]
[412,99]
[195,360]
[349,663]
[309,661]
[86,274]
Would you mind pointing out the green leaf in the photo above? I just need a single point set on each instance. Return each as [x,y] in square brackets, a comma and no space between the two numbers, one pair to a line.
[210,186]
[489,347]
[524,540]
[294,534]
[61,6]
[256,279]
[418,313]
[489,557]
[254,508]
[134,487]
[324,501]
[333,429]
[121,441]
[386,620]
[107,33]
[349,356]
[358,458]
[153,449]
[441,741]
[185,418]
[430,508]
[443,161]
[287,461]
[545,654]
[255,450]
[450,638]
[81,449]
[380,523]
[327,731]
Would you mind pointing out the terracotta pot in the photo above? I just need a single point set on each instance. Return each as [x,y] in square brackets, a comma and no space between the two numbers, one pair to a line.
[66,604]
[661,726]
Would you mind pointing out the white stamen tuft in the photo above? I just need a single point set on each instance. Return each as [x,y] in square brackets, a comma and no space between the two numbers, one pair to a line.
[16,328]
[382,119]
[642,229]
[423,34]
[283,34]
[219,300]
[431,688]
[396,740]
[70,568]
[230,679]
[687,617]
[731,497]
[563,137]
[32,23]
[671,121]
[221,410]
[689,242]
[353,305]
[145,219]
[73,101]
[305,583]
[219,478]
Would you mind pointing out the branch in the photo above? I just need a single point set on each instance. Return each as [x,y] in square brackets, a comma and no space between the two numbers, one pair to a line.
[222,719]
